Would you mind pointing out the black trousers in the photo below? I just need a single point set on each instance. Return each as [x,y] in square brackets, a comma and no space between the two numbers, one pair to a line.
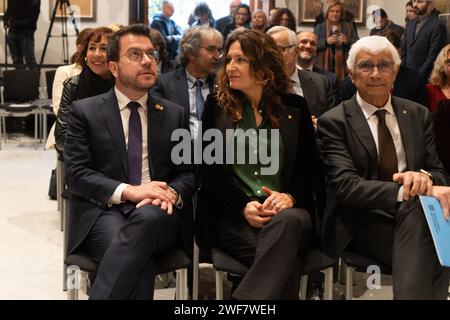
[405,243]
[271,254]
[125,248]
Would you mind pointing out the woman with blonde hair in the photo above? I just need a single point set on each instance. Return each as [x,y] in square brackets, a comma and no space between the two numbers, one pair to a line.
[335,39]
[438,88]
[261,218]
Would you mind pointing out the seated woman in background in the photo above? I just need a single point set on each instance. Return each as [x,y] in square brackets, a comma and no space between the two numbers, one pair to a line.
[241,19]
[335,39]
[259,20]
[260,217]
[62,74]
[439,86]
[94,79]
[285,18]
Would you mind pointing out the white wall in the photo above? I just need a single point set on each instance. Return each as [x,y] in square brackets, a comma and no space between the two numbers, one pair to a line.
[107,12]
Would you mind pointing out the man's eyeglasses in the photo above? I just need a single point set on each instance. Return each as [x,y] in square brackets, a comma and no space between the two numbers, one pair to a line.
[213,50]
[242,14]
[383,66]
[136,55]
[283,49]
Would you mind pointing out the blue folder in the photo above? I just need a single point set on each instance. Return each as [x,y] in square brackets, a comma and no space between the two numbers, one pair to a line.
[439,227]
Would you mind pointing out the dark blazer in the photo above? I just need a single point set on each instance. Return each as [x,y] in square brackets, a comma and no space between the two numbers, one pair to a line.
[419,52]
[220,198]
[441,121]
[173,86]
[350,157]
[160,23]
[317,92]
[223,22]
[95,158]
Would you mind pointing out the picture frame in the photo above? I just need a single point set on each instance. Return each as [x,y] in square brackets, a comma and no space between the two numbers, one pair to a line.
[310,9]
[83,9]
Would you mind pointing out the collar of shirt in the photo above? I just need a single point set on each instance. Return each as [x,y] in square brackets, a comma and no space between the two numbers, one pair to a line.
[295,78]
[369,110]
[123,100]
[310,68]
[191,79]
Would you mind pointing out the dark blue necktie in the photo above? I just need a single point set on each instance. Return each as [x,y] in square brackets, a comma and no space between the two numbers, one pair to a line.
[134,145]
[199,101]
[134,153]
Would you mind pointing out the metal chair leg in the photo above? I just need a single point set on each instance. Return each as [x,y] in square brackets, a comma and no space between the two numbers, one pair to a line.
[219,285]
[303,286]
[328,290]
[195,271]
[58,184]
[349,283]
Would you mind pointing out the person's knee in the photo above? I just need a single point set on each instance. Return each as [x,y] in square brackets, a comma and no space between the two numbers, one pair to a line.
[411,214]
[151,216]
[296,219]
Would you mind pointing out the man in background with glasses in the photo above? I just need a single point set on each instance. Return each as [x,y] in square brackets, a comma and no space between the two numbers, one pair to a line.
[314,87]
[380,155]
[188,86]
[129,203]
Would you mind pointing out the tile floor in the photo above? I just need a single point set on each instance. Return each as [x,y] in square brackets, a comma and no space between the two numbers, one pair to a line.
[31,241]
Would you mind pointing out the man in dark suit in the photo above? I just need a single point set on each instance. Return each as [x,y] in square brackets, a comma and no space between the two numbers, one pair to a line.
[129,202]
[307,51]
[188,86]
[312,86]
[380,155]
[168,28]
[423,39]
[224,21]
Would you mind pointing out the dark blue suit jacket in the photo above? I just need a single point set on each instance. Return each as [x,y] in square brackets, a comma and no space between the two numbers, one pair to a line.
[419,52]
[95,158]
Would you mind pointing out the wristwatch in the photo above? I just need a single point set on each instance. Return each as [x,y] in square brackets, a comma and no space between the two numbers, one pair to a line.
[427,173]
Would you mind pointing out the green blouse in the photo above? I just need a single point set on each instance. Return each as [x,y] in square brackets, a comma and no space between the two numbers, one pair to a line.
[247,174]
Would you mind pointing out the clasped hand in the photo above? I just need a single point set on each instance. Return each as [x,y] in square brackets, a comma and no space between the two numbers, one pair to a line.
[156,193]
[258,214]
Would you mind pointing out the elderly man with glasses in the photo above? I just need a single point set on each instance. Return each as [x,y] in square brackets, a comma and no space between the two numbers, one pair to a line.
[380,156]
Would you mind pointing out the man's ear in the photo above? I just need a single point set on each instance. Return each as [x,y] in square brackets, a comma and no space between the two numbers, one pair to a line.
[113,68]
[350,74]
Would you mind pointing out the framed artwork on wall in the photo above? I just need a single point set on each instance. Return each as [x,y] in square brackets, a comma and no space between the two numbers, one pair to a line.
[84,9]
[310,9]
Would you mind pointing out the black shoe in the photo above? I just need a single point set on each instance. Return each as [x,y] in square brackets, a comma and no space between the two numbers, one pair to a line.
[315,291]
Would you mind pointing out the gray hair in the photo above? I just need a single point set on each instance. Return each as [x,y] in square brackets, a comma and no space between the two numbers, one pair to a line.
[372,45]
[192,40]
[278,29]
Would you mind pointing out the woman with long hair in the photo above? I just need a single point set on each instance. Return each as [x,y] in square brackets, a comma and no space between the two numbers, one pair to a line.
[438,88]
[94,79]
[335,39]
[258,211]
[241,19]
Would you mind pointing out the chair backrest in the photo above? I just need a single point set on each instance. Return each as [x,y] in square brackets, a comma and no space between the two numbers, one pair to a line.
[49,77]
[21,85]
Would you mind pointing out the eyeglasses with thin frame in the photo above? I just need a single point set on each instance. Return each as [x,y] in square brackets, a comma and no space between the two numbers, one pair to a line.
[136,55]
[213,50]
[383,66]
[283,49]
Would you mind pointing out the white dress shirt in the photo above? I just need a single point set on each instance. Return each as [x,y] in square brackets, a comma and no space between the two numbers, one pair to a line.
[194,123]
[296,83]
[125,112]
[392,124]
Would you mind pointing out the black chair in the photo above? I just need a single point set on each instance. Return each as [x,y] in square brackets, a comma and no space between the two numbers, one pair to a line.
[19,91]
[49,78]
[358,262]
